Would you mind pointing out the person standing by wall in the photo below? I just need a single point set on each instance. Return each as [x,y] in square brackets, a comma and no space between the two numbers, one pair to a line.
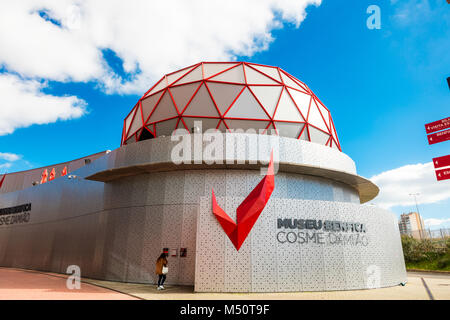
[161,270]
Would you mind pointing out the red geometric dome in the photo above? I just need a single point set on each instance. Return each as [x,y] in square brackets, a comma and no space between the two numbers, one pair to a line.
[231,95]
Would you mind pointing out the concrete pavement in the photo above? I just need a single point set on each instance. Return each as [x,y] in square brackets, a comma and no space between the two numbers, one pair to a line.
[415,289]
[28,284]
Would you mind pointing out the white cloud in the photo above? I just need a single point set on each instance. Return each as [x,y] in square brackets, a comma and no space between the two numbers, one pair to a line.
[9,156]
[63,41]
[151,37]
[396,185]
[34,47]
[436,222]
[23,104]
[413,12]
[5,166]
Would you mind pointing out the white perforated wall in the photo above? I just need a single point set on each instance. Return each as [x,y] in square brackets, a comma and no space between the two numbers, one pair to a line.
[264,264]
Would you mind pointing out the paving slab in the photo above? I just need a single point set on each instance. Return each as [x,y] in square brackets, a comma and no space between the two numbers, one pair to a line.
[18,284]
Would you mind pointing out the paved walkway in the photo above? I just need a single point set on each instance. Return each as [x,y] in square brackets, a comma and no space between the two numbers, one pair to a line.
[416,289]
[27,284]
[18,284]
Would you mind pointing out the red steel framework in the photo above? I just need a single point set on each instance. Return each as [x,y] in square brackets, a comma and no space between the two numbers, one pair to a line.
[231,95]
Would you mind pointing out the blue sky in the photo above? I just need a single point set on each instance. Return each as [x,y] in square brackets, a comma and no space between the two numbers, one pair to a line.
[381,86]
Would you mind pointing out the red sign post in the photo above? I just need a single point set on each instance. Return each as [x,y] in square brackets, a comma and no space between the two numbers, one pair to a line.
[437,125]
[441,162]
[439,137]
[443,174]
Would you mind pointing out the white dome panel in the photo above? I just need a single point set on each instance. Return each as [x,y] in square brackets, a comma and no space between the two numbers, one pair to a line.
[195,75]
[270,71]
[289,129]
[165,128]
[247,124]
[289,82]
[315,118]
[183,94]
[128,120]
[137,122]
[302,100]
[287,110]
[211,69]
[318,136]
[255,77]
[324,111]
[268,96]
[224,94]
[206,123]
[162,84]
[234,75]
[148,104]
[246,106]
[165,109]
[171,78]
[201,105]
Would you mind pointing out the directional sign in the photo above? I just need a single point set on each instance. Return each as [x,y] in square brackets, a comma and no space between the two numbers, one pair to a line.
[439,137]
[443,174]
[441,162]
[437,125]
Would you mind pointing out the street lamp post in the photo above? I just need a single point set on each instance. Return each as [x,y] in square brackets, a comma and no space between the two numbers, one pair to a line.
[415,200]
[418,213]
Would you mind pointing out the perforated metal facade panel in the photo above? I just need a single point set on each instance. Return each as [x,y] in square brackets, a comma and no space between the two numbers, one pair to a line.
[263,264]
[116,230]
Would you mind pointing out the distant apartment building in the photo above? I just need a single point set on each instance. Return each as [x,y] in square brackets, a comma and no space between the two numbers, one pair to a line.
[411,224]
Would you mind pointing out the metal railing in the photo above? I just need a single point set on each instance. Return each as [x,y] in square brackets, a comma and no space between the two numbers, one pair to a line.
[429,234]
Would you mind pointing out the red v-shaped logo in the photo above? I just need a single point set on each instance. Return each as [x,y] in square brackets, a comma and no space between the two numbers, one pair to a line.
[248,211]
[3,179]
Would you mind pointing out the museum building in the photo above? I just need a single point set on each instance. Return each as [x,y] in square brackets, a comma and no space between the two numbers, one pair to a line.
[235,170]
